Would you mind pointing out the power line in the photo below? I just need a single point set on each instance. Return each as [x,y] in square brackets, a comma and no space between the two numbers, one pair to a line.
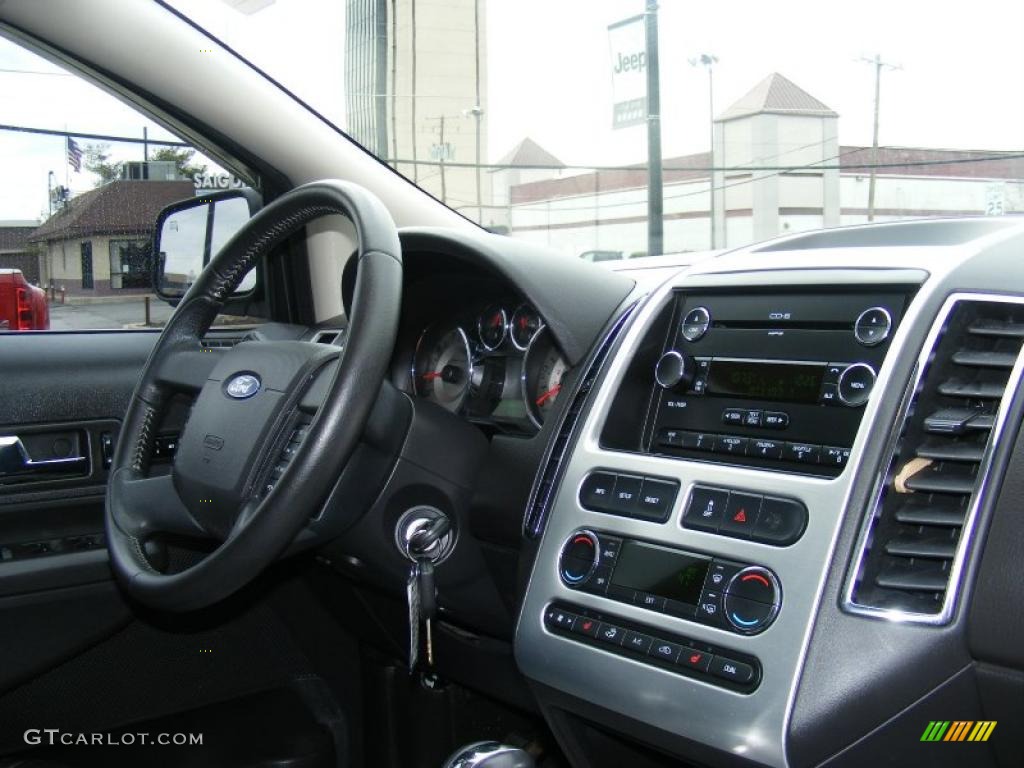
[34,72]
[92,136]
[706,168]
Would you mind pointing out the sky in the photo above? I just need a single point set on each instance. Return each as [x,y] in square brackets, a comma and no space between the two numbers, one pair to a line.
[957,85]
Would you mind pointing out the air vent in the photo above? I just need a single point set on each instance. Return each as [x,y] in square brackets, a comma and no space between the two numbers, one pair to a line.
[914,546]
[551,471]
[220,342]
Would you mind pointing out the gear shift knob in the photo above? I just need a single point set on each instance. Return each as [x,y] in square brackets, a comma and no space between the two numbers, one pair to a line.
[489,754]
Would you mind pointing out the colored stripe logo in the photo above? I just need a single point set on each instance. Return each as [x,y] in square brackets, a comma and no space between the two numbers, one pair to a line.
[958,730]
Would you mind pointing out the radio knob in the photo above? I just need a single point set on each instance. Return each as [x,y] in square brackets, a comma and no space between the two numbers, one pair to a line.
[673,369]
[855,384]
[580,555]
[752,600]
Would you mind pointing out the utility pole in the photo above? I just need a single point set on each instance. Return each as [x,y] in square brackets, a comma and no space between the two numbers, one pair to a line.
[49,190]
[878,64]
[478,110]
[145,146]
[441,158]
[655,201]
[709,61]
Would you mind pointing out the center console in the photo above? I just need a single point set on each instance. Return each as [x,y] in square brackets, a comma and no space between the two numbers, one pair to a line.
[691,525]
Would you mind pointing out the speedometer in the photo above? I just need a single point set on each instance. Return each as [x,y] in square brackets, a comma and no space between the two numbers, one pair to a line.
[544,368]
[442,368]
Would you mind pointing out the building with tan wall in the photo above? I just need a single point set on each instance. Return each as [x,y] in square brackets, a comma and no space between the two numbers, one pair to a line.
[99,243]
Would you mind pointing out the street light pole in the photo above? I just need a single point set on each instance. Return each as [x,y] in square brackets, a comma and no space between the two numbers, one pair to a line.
[708,60]
[655,192]
[878,64]
[49,191]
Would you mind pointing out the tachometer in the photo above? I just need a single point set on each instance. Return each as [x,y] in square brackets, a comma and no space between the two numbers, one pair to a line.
[544,368]
[442,368]
[492,325]
[525,323]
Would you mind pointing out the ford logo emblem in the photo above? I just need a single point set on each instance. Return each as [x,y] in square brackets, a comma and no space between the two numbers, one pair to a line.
[242,386]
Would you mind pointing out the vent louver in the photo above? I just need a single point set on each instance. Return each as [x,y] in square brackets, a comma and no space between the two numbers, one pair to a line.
[551,468]
[916,541]
[220,342]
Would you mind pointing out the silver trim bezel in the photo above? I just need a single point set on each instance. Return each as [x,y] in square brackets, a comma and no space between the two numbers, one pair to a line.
[504,327]
[968,532]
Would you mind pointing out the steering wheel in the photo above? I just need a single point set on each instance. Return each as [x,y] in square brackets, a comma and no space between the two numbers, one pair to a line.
[246,413]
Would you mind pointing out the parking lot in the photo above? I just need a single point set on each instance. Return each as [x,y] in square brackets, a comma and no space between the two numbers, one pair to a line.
[123,313]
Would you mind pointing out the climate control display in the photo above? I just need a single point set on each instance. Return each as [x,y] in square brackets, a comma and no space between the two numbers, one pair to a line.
[734,596]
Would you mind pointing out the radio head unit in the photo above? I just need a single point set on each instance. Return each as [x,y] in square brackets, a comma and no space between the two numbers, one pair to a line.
[776,379]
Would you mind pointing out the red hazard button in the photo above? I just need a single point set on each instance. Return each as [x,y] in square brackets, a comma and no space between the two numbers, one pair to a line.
[740,515]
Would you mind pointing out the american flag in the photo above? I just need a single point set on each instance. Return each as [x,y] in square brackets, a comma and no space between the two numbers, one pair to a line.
[74,155]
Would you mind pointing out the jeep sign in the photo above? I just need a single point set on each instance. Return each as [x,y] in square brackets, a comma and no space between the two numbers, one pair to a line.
[628,48]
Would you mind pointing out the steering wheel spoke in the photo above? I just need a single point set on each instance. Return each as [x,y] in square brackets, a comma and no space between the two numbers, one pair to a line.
[187,369]
[151,505]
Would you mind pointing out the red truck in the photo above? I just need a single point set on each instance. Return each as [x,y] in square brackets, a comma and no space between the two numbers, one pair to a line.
[22,306]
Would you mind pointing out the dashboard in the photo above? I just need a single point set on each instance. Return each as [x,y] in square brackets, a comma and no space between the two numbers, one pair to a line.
[760,541]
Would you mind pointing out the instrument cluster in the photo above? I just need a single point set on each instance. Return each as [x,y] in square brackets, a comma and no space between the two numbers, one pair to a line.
[495,364]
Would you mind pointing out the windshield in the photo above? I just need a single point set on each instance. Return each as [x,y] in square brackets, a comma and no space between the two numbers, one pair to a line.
[538,119]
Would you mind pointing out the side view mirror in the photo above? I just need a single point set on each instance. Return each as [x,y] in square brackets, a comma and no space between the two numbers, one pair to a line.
[189,232]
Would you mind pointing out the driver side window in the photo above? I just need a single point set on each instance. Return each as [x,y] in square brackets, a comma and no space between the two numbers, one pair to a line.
[85,176]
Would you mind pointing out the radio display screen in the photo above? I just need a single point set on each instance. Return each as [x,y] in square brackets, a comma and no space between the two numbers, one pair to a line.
[661,572]
[783,382]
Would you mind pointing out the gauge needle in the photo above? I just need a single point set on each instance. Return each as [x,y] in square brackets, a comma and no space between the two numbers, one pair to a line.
[549,394]
[432,375]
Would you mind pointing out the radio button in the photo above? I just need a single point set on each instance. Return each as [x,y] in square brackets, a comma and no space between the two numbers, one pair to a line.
[737,446]
[733,416]
[695,324]
[855,384]
[835,456]
[832,371]
[776,419]
[673,369]
[657,497]
[829,394]
[699,386]
[596,491]
[609,548]
[872,326]
[781,522]
[699,441]
[768,449]
[740,515]
[803,453]
[705,509]
[626,493]
[752,418]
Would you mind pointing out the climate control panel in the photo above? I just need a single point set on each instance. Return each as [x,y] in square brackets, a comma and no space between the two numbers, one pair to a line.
[738,597]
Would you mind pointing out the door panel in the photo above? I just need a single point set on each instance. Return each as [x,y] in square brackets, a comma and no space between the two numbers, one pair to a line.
[63,395]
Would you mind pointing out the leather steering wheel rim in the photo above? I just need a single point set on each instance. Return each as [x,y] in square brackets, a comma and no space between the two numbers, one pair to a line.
[138,506]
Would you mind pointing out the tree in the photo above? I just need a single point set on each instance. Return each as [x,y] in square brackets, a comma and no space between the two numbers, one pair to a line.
[182,159]
[97,160]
